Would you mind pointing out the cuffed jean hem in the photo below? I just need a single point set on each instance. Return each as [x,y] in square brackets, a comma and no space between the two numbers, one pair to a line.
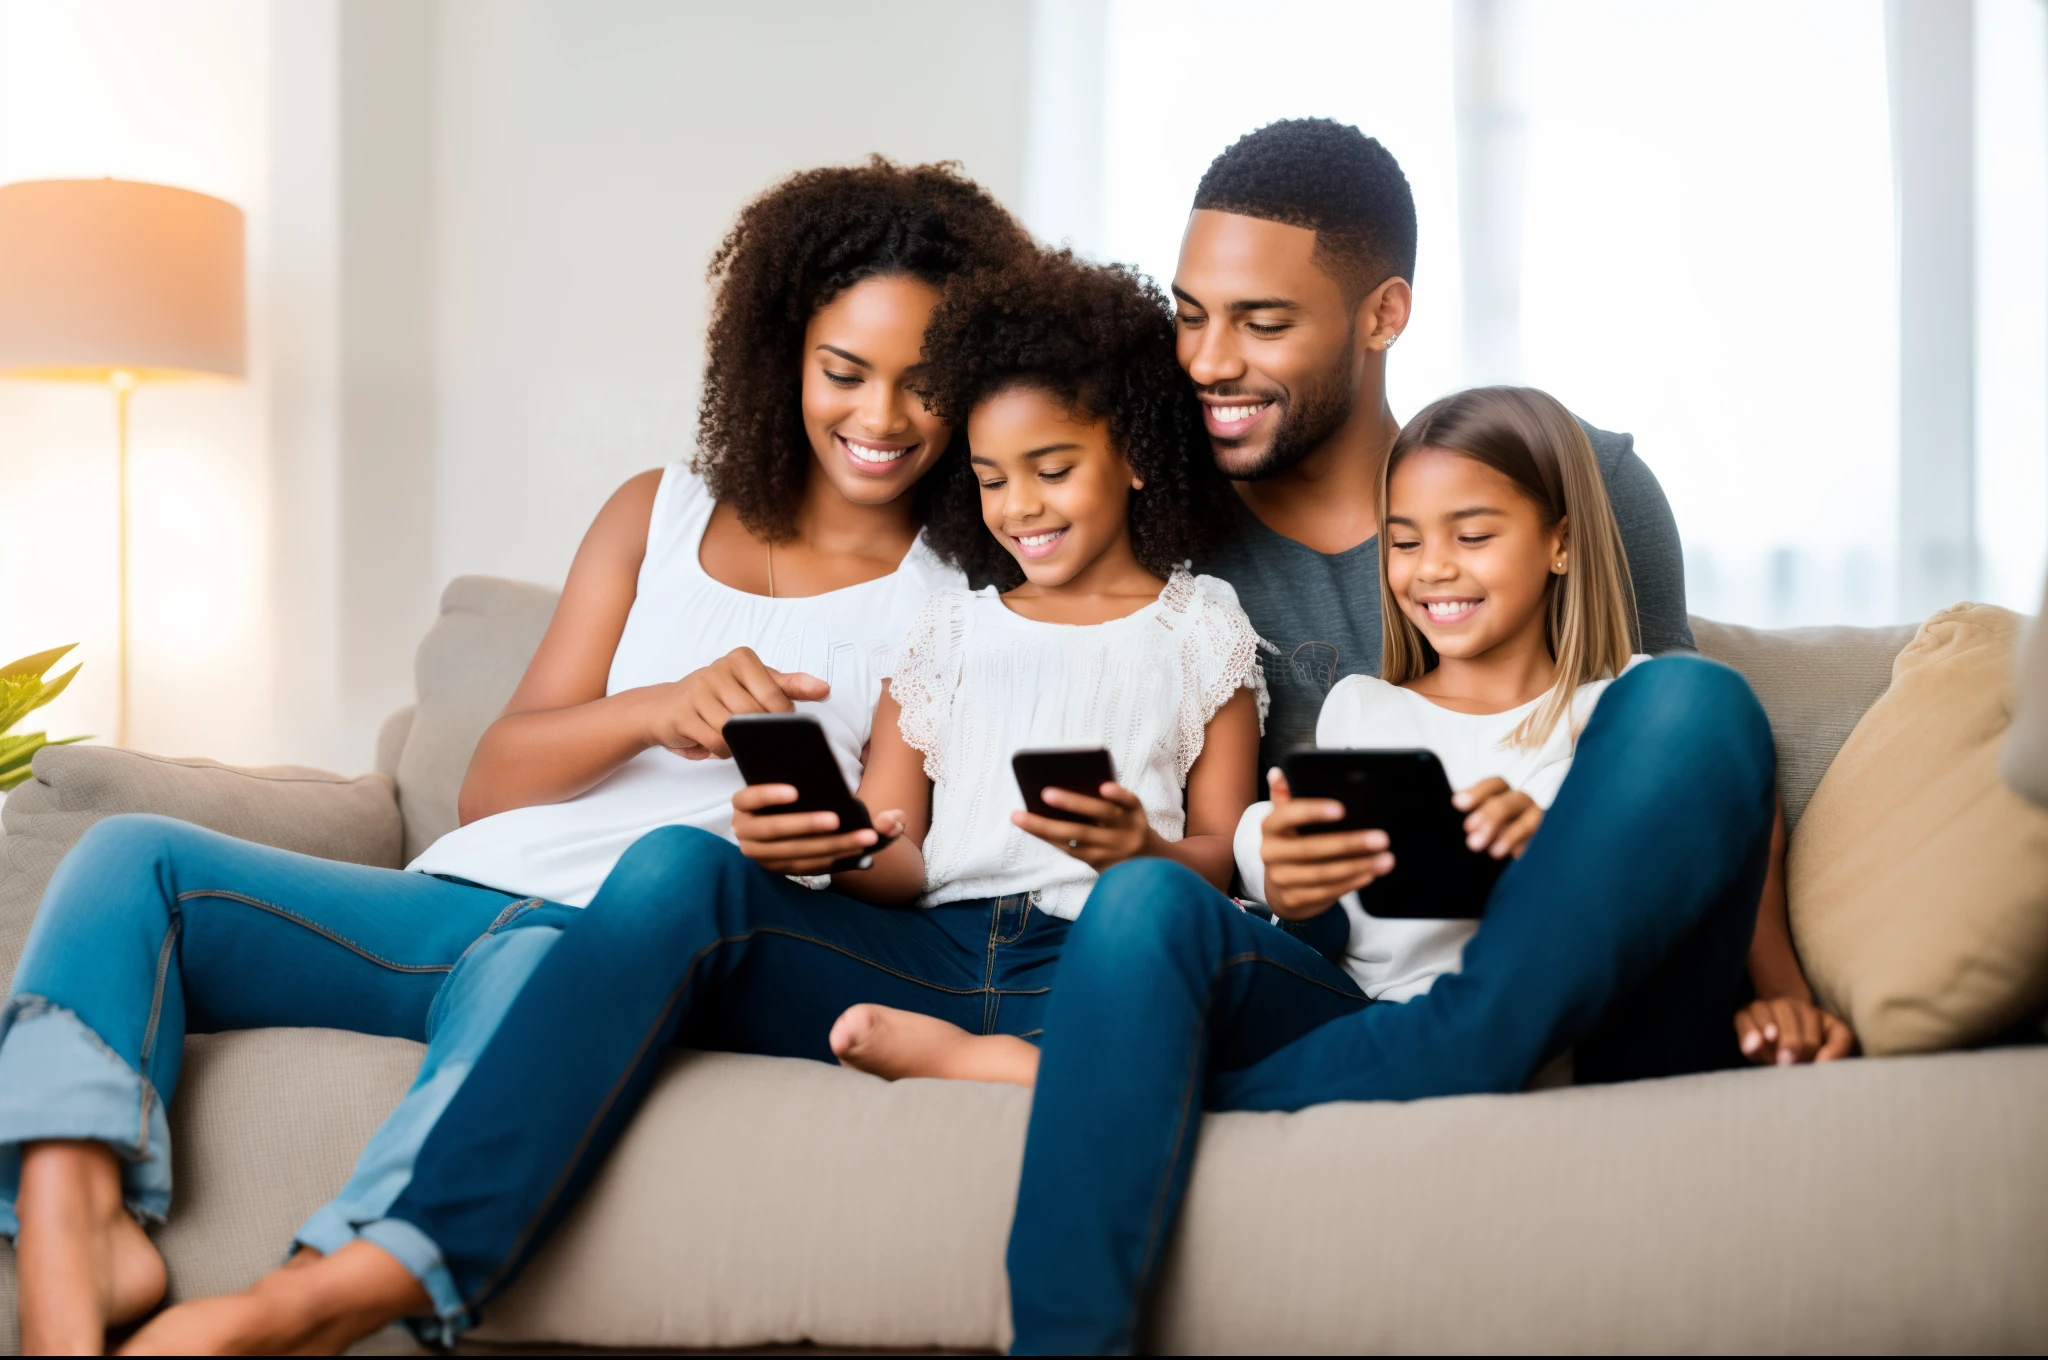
[328,1232]
[58,1079]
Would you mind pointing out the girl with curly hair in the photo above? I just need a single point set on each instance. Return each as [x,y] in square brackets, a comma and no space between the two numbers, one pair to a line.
[1081,491]
[768,575]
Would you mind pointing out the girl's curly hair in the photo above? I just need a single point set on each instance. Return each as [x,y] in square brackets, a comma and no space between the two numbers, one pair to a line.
[793,250]
[1099,339]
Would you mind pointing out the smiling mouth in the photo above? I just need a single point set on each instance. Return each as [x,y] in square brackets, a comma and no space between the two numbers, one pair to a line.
[1233,419]
[1039,544]
[874,457]
[1450,611]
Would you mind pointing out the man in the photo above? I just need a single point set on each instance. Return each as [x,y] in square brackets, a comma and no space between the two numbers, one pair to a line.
[1621,933]
[1294,283]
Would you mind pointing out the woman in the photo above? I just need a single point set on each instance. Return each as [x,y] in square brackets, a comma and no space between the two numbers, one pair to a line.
[772,580]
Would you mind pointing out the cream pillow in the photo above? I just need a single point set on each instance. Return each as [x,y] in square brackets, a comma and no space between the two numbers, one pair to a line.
[1919,881]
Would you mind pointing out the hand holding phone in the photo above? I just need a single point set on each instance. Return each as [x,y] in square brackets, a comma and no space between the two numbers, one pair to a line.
[1073,803]
[1309,865]
[796,815]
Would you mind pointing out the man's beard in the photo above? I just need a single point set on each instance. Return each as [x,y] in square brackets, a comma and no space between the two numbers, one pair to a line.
[1315,413]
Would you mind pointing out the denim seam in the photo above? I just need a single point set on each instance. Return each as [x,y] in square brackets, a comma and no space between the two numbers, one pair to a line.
[988,967]
[475,1300]
[1023,919]
[317,929]
[163,972]
[1236,959]
[512,912]
[156,1013]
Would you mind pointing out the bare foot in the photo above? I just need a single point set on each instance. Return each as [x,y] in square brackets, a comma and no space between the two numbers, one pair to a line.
[311,1305]
[897,1044]
[83,1262]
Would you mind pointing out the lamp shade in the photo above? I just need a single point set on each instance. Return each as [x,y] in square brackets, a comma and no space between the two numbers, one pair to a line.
[99,276]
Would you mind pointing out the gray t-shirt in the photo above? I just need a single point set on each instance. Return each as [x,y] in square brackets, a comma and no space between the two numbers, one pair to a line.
[1322,610]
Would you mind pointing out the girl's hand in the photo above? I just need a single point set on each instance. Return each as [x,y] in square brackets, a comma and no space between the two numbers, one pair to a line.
[799,842]
[1120,831]
[688,715]
[1789,1029]
[1307,868]
[1501,820]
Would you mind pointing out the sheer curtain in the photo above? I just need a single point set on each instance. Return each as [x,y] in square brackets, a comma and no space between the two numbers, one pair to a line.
[1678,217]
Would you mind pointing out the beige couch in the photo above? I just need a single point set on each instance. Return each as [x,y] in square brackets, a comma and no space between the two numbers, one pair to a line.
[1895,1204]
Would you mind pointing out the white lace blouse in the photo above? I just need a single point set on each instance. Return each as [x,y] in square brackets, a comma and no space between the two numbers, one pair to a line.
[978,682]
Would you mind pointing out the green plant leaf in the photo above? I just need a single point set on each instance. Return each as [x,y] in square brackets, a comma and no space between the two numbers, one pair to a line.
[18,751]
[14,777]
[36,663]
[23,694]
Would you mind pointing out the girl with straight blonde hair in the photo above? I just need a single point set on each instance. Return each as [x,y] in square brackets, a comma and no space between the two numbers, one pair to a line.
[1527,436]
[1506,613]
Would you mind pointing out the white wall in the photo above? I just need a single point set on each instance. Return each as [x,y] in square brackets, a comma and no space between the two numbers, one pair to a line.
[477,239]
[173,95]
[591,158]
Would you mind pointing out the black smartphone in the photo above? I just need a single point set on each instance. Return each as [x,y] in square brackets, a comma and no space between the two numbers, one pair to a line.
[1078,769]
[789,748]
[1406,795]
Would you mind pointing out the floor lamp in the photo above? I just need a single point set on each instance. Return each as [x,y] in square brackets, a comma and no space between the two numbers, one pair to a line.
[112,282]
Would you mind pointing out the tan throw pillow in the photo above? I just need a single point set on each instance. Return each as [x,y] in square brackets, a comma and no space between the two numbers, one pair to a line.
[1918,880]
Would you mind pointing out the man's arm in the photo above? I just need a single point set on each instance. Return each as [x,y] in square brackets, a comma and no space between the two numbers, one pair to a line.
[1649,534]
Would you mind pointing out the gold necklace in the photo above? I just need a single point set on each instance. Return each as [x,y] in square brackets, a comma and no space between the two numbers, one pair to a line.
[771,571]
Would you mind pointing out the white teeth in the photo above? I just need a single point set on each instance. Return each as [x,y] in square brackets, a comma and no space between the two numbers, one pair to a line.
[867,455]
[1443,609]
[1230,415]
[1039,540]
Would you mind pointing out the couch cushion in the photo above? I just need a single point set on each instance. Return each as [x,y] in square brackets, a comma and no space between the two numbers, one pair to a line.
[1919,880]
[466,668]
[310,811]
[1886,1204]
[1814,683]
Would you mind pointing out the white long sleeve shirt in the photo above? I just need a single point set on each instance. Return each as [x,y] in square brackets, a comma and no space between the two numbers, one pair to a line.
[1393,960]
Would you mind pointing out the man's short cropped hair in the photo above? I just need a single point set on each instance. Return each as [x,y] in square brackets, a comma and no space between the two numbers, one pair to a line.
[1332,179]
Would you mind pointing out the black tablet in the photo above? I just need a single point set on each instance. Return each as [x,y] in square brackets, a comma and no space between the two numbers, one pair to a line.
[789,748]
[1406,795]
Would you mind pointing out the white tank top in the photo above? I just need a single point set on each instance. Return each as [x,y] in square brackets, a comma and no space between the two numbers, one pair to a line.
[681,620]
[978,682]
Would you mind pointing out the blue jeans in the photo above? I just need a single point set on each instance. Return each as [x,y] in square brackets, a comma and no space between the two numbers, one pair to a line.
[1622,934]
[688,943]
[152,929]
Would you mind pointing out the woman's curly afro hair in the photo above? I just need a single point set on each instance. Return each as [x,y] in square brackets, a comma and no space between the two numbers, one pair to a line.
[793,250]
[1098,339]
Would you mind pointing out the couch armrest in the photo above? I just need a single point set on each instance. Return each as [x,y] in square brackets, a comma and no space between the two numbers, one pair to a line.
[309,811]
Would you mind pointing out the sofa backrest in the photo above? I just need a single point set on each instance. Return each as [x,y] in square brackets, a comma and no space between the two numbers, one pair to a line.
[1813,682]
[466,668]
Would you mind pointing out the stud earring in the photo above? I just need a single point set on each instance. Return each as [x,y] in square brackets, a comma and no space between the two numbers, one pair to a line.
[1559,568]
[1390,340]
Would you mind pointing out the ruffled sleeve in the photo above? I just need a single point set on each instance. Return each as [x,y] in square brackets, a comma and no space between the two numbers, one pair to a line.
[1219,656]
[923,673]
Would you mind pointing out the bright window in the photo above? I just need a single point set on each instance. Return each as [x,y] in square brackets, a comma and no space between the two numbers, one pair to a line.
[1706,247]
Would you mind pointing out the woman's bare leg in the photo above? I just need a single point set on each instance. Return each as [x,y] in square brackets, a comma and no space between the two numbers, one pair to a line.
[895,1044]
[311,1305]
[82,1261]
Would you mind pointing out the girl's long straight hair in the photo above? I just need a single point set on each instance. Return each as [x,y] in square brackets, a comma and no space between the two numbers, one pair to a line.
[1528,437]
